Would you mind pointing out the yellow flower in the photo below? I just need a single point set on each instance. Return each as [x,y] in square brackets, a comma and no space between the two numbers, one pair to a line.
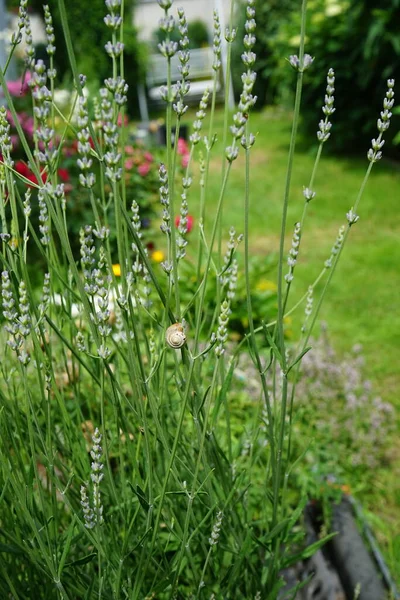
[117,270]
[265,285]
[245,321]
[158,256]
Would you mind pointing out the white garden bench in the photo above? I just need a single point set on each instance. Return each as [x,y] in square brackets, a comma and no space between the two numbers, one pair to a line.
[201,76]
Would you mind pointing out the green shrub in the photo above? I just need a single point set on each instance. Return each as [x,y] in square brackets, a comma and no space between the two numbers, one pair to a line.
[198,34]
[359,40]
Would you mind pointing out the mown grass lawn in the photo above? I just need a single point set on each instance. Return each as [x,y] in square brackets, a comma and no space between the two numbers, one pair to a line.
[364,299]
[362,306]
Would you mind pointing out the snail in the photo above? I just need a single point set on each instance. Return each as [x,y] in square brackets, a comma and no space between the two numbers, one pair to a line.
[175,335]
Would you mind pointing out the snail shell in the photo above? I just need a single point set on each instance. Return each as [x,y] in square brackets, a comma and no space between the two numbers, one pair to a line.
[175,335]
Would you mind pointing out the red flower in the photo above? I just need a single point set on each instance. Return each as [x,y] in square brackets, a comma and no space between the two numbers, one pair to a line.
[25,171]
[189,224]
[63,175]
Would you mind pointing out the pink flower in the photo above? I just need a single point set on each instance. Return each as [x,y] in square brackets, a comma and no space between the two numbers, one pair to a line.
[10,117]
[27,125]
[143,169]
[148,156]
[129,149]
[185,160]
[129,164]
[119,120]
[25,120]
[14,141]
[189,222]
[19,87]
[182,147]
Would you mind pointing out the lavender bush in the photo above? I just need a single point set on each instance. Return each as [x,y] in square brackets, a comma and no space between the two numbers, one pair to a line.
[361,421]
[122,474]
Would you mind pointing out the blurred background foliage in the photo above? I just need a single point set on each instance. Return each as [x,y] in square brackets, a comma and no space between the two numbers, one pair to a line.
[198,34]
[89,36]
[360,39]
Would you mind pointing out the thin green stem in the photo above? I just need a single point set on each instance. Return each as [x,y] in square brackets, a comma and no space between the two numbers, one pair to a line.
[252,338]
[192,493]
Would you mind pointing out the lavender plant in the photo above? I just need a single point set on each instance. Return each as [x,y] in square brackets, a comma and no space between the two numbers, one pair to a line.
[116,375]
[363,422]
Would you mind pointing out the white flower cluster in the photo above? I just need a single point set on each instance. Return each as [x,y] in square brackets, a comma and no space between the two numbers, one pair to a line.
[374,153]
[93,515]
[293,252]
[325,125]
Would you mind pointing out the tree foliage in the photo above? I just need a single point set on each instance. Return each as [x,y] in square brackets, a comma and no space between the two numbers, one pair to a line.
[362,43]
[89,35]
[360,40]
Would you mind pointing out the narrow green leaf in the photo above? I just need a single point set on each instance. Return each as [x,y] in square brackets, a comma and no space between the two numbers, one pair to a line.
[298,359]
[203,399]
[10,549]
[66,546]
[141,496]
[271,342]
[306,552]
[297,513]
[82,561]
[224,389]
[275,531]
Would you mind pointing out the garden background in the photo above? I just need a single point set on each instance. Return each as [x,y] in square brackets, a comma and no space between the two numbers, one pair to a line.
[361,316]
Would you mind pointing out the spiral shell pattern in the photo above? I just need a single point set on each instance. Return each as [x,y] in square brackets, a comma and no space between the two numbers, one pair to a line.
[175,336]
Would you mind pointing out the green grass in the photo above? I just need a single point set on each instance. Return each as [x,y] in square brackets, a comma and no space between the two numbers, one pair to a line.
[362,302]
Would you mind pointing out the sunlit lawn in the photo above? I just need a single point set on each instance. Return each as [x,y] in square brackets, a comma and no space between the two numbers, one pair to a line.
[363,303]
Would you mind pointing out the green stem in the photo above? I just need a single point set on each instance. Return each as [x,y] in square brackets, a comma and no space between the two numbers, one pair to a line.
[192,493]
[252,337]
[74,68]
[142,571]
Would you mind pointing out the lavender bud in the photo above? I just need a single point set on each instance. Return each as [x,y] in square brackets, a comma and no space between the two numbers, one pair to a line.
[231,153]
[307,61]
[165,4]
[213,540]
[114,50]
[336,247]
[374,154]
[293,252]
[222,331]
[352,217]
[294,61]
[230,35]
[168,49]
[308,194]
